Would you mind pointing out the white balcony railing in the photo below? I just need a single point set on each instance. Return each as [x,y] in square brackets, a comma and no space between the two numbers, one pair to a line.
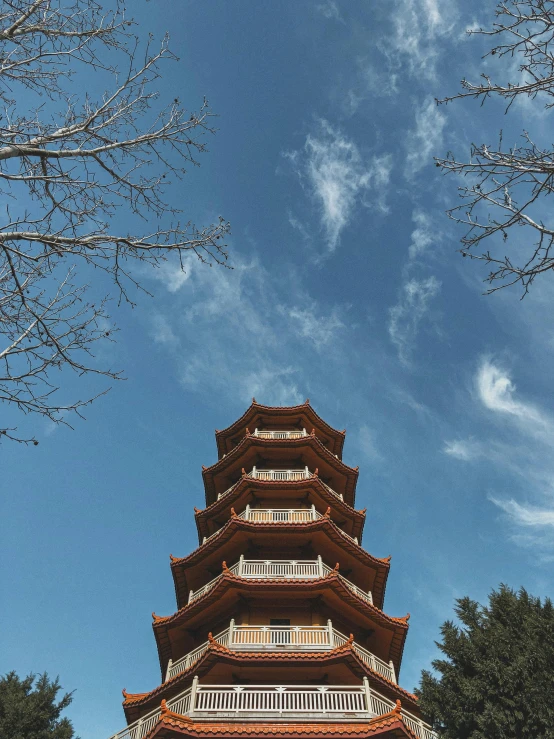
[281,638]
[280,476]
[278,702]
[276,515]
[293,434]
[280,569]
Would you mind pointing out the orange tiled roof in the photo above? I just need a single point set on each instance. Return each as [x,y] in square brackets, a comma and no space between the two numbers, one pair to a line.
[351,473]
[227,500]
[256,408]
[390,724]
[381,566]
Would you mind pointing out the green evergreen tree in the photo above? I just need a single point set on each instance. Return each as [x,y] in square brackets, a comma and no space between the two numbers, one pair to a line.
[28,708]
[497,678]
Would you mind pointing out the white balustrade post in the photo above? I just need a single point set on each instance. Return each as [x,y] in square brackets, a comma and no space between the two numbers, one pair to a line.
[373,664]
[241,564]
[169,666]
[320,565]
[304,432]
[247,512]
[190,595]
[306,472]
[193,691]
[393,671]
[341,496]
[313,512]
[331,633]
[370,596]
[355,539]
[255,432]
[204,540]
[138,733]
[254,473]
[367,691]
[231,632]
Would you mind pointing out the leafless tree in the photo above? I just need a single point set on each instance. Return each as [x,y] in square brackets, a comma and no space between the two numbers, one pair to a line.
[506,197]
[74,166]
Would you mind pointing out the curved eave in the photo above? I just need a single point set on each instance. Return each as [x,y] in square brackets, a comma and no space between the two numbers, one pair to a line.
[138,704]
[227,501]
[278,412]
[162,625]
[233,458]
[387,726]
[179,567]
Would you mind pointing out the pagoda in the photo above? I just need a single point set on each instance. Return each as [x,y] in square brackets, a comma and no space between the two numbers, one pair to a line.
[279,627]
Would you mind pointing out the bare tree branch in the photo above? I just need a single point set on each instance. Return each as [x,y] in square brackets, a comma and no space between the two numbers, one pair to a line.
[79,167]
[510,187]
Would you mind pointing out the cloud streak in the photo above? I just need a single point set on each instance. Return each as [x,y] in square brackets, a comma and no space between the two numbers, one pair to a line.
[406,316]
[338,178]
[525,448]
[426,137]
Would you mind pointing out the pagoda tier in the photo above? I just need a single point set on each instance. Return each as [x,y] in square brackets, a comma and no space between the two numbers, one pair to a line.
[270,494]
[345,664]
[280,540]
[280,627]
[297,419]
[262,600]
[281,459]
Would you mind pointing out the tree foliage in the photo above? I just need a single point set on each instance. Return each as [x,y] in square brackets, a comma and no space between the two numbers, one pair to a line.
[75,164]
[29,708]
[507,191]
[496,680]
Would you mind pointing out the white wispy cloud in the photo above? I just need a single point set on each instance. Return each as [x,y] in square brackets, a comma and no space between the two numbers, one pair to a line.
[426,138]
[367,441]
[161,331]
[463,449]
[418,27]
[312,325]
[330,10]
[523,448]
[172,275]
[338,178]
[242,332]
[525,515]
[406,316]
[496,391]
[424,235]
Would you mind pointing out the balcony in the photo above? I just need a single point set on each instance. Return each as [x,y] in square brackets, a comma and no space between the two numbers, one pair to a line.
[293,434]
[280,569]
[280,476]
[278,702]
[279,639]
[280,515]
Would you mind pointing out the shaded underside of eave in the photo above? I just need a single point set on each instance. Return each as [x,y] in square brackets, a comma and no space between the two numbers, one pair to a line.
[236,524]
[209,473]
[137,706]
[277,411]
[162,626]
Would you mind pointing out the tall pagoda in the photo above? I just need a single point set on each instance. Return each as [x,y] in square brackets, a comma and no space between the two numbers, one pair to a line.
[279,627]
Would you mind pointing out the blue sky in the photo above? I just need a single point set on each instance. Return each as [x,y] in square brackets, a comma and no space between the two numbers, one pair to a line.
[346,289]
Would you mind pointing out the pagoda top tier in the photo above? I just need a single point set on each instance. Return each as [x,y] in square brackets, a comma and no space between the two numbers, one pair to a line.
[277,420]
